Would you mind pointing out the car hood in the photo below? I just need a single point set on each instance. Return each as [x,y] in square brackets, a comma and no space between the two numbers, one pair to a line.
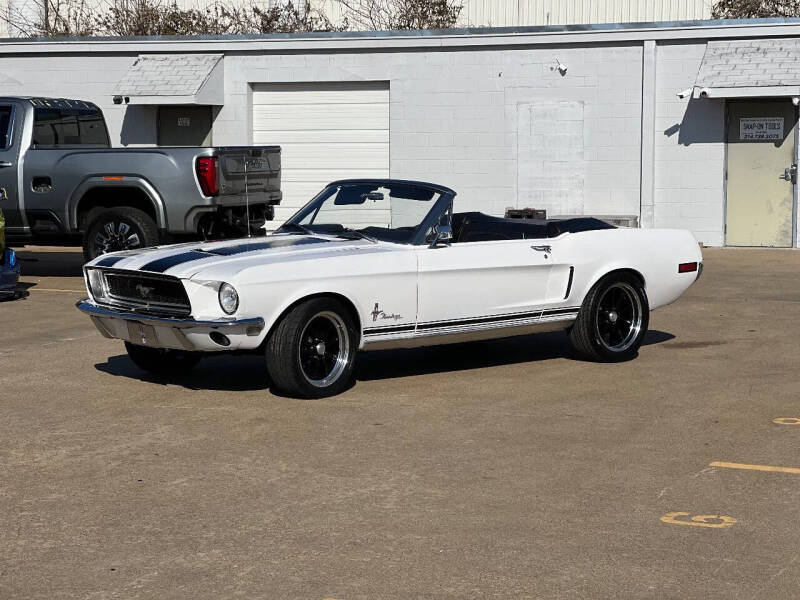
[231,256]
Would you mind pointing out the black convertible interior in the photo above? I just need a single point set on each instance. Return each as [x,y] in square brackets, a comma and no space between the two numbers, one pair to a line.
[478,227]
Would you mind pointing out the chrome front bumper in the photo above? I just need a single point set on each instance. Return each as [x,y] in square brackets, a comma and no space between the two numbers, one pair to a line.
[168,332]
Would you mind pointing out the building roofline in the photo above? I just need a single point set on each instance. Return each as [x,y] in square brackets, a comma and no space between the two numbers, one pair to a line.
[441,38]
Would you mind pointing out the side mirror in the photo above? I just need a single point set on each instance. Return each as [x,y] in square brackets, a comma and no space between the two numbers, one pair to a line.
[442,236]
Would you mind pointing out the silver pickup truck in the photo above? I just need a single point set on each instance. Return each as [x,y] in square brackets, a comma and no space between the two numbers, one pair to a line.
[61,180]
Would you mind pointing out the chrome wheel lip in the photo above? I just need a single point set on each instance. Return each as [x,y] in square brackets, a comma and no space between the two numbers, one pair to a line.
[634,303]
[342,356]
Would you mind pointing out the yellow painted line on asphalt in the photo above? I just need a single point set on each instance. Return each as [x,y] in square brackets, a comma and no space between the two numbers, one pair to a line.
[712,521]
[746,467]
[787,421]
[38,289]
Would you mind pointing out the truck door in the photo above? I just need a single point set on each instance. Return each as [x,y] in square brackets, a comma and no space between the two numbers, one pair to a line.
[10,131]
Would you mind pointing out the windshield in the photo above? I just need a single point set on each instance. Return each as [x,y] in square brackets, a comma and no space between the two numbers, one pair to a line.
[384,211]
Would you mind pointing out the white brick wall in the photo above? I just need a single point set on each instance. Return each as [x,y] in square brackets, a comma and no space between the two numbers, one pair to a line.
[456,118]
[690,148]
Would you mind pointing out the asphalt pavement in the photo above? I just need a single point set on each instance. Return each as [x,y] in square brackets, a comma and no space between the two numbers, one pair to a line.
[503,469]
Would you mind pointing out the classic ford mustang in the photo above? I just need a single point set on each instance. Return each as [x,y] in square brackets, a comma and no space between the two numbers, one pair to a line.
[373,264]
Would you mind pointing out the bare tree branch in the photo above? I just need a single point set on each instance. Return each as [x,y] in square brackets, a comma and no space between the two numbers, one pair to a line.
[755,9]
[58,18]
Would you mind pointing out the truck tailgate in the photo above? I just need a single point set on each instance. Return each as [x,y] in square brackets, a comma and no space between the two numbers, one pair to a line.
[255,170]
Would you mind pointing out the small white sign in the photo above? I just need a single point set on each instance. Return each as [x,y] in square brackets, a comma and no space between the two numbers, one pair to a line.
[767,128]
[187,122]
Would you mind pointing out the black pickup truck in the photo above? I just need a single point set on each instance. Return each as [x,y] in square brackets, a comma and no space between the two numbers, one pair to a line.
[60,179]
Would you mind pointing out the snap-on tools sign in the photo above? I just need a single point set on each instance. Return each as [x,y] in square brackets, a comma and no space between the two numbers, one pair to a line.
[769,128]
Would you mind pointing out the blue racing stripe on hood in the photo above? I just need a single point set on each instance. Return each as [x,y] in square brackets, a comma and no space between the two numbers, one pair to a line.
[162,264]
[240,248]
[108,261]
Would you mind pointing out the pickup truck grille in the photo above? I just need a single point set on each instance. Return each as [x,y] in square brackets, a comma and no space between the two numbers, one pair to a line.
[145,293]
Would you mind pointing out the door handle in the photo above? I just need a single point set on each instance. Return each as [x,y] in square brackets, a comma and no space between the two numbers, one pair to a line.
[4,164]
[789,174]
[545,249]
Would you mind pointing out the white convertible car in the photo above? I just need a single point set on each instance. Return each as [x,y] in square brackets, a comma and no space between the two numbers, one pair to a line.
[374,264]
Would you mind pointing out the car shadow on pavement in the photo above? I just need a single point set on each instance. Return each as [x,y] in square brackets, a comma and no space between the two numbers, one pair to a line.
[233,373]
[248,373]
[66,263]
[388,364]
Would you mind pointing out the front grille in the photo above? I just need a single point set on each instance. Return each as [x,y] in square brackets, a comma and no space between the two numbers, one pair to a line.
[146,293]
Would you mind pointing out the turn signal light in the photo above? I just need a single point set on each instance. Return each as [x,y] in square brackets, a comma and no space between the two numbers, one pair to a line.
[207,175]
[687,267]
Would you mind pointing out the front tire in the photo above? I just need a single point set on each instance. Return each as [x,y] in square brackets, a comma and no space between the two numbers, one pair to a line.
[311,353]
[114,229]
[613,319]
[162,361]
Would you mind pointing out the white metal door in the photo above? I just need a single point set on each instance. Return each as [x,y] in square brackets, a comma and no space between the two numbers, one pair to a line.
[482,280]
[327,131]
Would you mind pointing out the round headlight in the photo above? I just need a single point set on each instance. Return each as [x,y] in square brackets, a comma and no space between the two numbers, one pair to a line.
[228,298]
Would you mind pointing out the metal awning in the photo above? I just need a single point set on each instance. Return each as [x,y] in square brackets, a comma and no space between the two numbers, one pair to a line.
[749,68]
[174,79]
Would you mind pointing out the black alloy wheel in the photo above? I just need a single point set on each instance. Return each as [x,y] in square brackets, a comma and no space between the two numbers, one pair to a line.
[311,352]
[619,316]
[115,229]
[613,319]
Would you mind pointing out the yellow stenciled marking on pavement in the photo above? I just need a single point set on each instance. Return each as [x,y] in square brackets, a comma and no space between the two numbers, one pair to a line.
[787,421]
[713,521]
[768,468]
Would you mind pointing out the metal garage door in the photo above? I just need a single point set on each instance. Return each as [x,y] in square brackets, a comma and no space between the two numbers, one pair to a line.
[327,131]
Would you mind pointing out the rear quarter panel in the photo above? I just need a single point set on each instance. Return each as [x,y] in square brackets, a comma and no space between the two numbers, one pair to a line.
[654,253]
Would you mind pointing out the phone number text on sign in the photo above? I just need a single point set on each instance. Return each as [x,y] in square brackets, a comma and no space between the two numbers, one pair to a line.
[770,128]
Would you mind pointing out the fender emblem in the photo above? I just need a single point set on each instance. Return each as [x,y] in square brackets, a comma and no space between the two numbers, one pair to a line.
[377,313]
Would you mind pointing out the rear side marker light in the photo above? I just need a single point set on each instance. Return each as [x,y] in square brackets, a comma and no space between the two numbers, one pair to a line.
[687,267]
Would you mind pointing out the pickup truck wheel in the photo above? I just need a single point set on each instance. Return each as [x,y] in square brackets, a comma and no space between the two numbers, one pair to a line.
[613,319]
[113,229]
[162,361]
[311,352]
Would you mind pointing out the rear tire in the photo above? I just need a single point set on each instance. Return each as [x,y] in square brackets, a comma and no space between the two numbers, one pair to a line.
[311,352]
[162,361]
[613,319]
[114,229]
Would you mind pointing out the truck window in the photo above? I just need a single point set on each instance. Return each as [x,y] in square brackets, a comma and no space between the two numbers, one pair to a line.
[69,127]
[5,127]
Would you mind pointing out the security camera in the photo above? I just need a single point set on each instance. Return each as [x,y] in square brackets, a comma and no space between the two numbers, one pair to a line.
[561,68]
[117,99]
[795,100]
[685,93]
[704,93]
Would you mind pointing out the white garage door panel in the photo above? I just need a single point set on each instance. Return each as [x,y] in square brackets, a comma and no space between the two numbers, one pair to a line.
[304,117]
[334,156]
[327,131]
[290,94]
[326,136]
[325,176]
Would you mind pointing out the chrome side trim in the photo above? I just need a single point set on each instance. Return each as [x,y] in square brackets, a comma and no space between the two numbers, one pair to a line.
[415,340]
[93,310]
